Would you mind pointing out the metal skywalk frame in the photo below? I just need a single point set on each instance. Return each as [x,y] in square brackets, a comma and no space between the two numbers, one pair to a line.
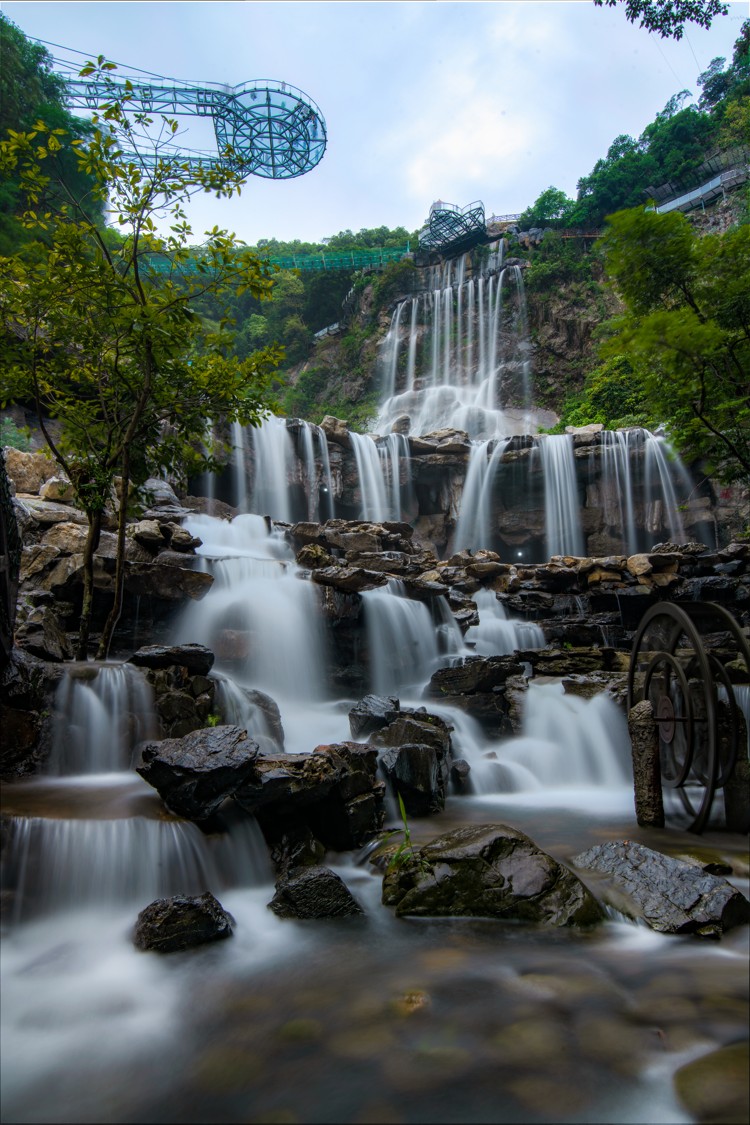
[452,229]
[263,127]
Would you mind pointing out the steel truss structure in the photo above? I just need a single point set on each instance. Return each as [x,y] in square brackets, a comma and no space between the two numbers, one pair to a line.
[263,128]
[453,230]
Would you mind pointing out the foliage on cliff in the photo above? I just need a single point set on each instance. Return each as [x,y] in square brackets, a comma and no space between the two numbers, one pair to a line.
[97,340]
[686,330]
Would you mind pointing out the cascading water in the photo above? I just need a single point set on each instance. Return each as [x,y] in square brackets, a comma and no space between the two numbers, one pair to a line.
[497,634]
[102,712]
[570,751]
[562,503]
[468,358]
[401,640]
[473,529]
[273,454]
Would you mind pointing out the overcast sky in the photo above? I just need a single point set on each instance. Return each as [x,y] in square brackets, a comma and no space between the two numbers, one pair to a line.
[456,101]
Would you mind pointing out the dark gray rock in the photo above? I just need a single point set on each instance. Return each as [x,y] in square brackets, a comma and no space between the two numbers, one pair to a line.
[473,674]
[416,760]
[170,924]
[196,773]
[673,896]
[313,892]
[488,871]
[333,792]
[196,658]
[413,773]
[372,713]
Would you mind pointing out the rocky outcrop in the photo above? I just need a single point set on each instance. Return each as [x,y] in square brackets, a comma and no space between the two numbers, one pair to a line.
[195,774]
[476,685]
[488,871]
[416,759]
[168,925]
[372,713]
[672,896]
[333,793]
[313,892]
[27,688]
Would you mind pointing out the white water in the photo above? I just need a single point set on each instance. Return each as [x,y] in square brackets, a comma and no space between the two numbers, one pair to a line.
[562,502]
[497,634]
[103,711]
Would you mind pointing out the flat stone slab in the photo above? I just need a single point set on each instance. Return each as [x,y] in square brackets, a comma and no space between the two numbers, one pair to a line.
[674,897]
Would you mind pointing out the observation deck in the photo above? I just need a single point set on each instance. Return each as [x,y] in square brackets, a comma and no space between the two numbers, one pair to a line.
[262,127]
[453,230]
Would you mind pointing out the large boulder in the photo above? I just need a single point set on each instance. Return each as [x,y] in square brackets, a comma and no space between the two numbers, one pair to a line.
[313,892]
[488,871]
[333,792]
[416,759]
[673,897]
[196,773]
[171,924]
[372,713]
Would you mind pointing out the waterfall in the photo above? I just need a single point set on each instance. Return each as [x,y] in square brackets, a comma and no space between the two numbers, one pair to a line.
[327,507]
[263,624]
[661,466]
[569,749]
[617,485]
[401,639]
[457,359]
[68,864]
[497,634]
[272,450]
[562,505]
[239,467]
[474,526]
[374,504]
[102,711]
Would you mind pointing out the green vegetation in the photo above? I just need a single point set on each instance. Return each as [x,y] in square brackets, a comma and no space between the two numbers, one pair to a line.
[612,395]
[10,434]
[30,92]
[115,353]
[686,330]
[670,150]
[668,17]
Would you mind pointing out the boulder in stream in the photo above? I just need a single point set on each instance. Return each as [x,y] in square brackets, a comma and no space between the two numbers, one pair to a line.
[196,773]
[313,892]
[170,924]
[488,871]
[672,896]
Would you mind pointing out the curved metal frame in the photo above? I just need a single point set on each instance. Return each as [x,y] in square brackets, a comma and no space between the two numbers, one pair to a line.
[263,128]
[708,760]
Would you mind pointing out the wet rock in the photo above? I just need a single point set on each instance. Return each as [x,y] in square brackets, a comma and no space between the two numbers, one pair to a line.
[349,579]
[333,792]
[372,713]
[714,1088]
[297,847]
[313,556]
[460,770]
[196,773]
[414,773]
[171,924]
[673,897]
[196,658]
[488,871]
[265,715]
[313,892]
[473,674]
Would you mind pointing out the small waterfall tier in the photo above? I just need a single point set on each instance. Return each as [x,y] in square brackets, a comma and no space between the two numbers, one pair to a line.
[458,354]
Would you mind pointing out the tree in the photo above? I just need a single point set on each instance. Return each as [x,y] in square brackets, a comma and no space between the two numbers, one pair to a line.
[668,17]
[31,91]
[100,329]
[686,330]
[551,208]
